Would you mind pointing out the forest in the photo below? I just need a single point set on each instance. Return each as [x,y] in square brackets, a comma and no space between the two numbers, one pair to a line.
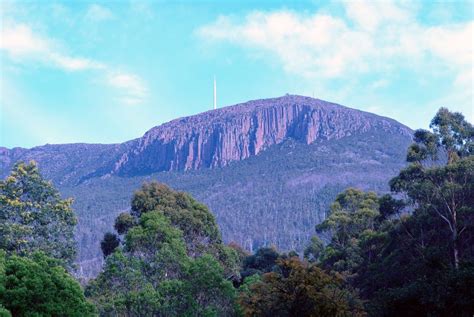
[409,252]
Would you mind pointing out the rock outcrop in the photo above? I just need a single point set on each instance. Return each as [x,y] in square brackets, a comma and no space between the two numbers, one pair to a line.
[216,138]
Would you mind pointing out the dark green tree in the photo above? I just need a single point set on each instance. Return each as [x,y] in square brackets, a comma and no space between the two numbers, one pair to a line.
[158,271]
[451,134]
[263,261]
[442,191]
[39,286]
[33,217]
[314,250]
[109,243]
[418,259]
[351,223]
[124,222]
[296,288]
[196,222]
[206,292]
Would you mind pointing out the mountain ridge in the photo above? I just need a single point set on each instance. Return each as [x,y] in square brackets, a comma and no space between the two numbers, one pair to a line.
[236,132]
[217,137]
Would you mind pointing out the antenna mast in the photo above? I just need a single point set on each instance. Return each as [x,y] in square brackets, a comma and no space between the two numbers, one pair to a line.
[215,93]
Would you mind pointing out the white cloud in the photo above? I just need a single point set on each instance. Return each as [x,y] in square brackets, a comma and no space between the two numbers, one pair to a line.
[22,45]
[132,87]
[375,35]
[74,63]
[381,83]
[19,41]
[304,44]
[375,38]
[370,15]
[98,13]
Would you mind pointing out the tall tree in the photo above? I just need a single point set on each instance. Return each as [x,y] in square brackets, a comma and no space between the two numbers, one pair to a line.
[39,286]
[443,191]
[109,243]
[352,220]
[192,218]
[451,134]
[33,217]
[166,265]
[420,263]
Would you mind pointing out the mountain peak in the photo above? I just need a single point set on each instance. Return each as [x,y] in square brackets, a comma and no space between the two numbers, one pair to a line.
[218,137]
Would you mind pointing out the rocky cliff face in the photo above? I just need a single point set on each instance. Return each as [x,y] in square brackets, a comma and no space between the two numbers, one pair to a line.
[216,138]
[208,140]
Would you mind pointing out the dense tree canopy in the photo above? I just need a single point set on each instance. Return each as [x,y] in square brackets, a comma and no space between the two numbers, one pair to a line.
[263,261]
[170,263]
[39,286]
[296,288]
[193,218]
[351,222]
[33,217]
[413,256]
[197,224]
[451,135]
[123,222]
[36,245]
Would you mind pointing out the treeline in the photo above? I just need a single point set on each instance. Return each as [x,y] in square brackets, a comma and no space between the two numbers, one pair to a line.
[410,253]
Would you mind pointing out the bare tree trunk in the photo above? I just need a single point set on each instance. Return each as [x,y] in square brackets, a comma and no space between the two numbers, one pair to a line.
[455,249]
[456,258]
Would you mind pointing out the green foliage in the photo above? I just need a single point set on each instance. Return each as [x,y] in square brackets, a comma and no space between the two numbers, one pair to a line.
[352,220]
[109,243]
[159,245]
[39,286]
[263,261]
[425,146]
[33,217]
[4,312]
[454,133]
[297,289]
[197,224]
[157,272]
[412,257]
[314,249]
[124,222]
[36,244]
[193,218]
[205,290]
[443,192]
[241,252]
[389,207]
[451,133]
[426,264]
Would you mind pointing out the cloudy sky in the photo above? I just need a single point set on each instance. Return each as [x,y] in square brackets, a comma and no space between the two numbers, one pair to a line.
[106,72]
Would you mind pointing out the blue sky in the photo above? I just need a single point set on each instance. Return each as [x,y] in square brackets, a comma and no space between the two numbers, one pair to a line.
[107,71]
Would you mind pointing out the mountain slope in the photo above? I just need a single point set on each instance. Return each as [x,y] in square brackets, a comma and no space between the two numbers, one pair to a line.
[216,138]
[267,168]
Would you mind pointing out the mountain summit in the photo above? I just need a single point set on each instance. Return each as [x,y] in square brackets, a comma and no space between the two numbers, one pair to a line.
[267,168]
[217,138]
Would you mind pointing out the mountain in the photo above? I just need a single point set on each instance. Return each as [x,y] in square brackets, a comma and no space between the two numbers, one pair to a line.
[268,169]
